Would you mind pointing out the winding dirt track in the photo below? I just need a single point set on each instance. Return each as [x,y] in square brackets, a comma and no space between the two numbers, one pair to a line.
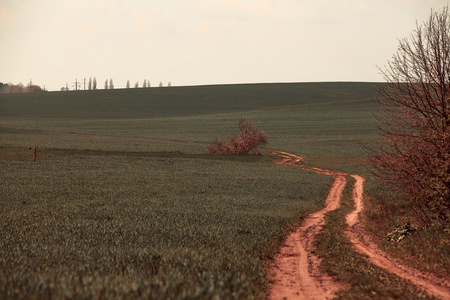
[432,285]
[295,272]
[295,269]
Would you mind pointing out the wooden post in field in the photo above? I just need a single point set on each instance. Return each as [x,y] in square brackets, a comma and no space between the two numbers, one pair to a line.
[34,154]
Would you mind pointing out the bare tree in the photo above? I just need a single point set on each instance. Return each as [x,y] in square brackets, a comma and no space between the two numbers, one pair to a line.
[144,85]
[90,83]
[169,84]
[136,85]
[106,84]
[94,84]
[128,84]
[111,84]
[415,119]
[161,84]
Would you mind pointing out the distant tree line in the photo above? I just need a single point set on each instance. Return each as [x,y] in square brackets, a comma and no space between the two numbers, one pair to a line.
[9,88]
[109,84]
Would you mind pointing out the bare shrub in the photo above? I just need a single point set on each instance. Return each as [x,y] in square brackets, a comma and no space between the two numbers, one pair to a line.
[415,120]
[246,142]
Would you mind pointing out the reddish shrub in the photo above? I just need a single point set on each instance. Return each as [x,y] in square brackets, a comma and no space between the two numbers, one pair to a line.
[246,142]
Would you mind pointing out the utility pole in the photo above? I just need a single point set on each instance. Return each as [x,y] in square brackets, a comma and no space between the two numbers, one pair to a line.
[77,84]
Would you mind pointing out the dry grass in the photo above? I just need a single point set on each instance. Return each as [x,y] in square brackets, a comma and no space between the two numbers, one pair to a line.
[427,248]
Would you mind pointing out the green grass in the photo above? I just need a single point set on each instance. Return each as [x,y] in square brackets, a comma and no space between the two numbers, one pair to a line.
[161,225]
[314,119]
[124,192]
[176,101]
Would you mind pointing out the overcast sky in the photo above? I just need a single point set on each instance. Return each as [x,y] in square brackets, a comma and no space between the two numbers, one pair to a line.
[196,42]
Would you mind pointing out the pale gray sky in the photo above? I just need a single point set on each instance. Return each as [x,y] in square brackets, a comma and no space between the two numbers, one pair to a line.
[195,42]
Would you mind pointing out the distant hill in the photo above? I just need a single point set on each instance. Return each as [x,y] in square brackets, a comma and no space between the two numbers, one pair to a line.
[177,101]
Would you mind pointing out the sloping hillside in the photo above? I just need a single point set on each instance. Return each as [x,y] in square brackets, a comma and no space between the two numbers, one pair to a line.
[176,101]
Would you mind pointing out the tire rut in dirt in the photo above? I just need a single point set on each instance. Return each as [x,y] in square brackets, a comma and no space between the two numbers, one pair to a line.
[296,272]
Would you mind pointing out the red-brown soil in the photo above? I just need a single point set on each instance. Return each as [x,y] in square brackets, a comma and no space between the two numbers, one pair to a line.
[295,270]
[295,273]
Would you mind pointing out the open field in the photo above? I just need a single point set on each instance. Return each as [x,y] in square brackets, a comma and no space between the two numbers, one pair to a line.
[313,119]
[177,101]
[125,195]
[164,225]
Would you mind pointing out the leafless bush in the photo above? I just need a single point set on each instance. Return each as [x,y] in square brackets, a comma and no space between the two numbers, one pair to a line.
[246,142]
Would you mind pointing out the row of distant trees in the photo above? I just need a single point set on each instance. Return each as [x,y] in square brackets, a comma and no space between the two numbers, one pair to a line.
[146,84]
[109,84]
[8,88]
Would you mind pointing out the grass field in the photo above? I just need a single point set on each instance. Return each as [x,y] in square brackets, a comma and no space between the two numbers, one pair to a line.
[308,118]
[165,226]
[123,200]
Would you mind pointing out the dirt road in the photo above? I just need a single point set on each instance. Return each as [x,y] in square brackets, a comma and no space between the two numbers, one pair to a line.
[432,285]
[295,269]
[295,272]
